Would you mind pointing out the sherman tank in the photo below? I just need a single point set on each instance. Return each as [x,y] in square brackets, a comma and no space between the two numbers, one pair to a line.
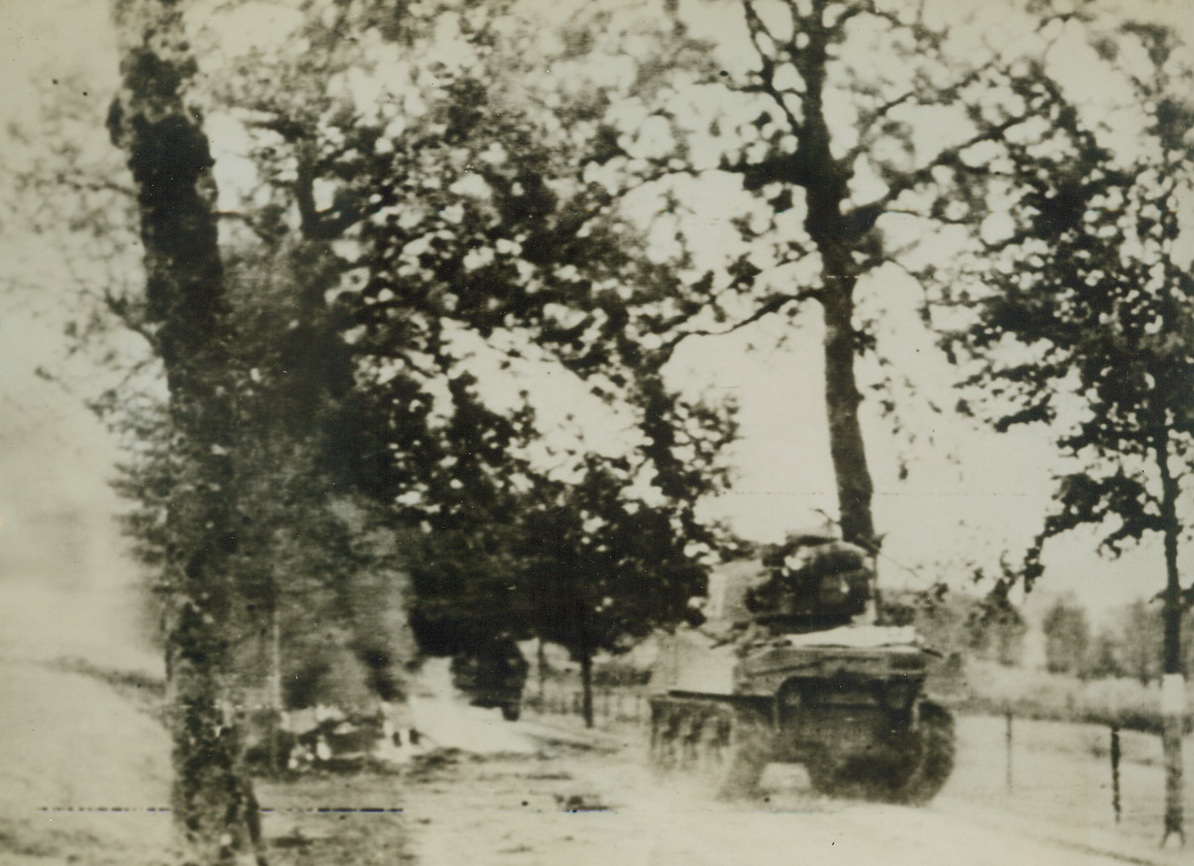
[790,666]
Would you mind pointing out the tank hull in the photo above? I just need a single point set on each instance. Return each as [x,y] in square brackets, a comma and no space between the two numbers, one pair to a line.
[789,665]
[855,717]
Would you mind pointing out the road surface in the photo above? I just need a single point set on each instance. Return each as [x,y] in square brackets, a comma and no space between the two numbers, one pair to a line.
[565,805]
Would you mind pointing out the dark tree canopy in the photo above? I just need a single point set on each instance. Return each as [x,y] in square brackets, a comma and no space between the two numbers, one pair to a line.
[1086,325]
[448,250]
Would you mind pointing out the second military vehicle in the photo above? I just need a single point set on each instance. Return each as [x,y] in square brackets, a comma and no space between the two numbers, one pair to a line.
[492,674]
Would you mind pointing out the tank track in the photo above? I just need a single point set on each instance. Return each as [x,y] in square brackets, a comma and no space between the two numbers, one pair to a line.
[729,742]
[918,764]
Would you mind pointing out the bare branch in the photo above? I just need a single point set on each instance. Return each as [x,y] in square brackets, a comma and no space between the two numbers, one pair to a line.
[757,27]
[950,156]
[923,96]
[767,62]
[94,186]
[249,222]
[122,308]
[772,305]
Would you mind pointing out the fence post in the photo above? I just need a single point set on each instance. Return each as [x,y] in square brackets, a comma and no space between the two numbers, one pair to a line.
[1115,803]
[541,670]
[1008,737]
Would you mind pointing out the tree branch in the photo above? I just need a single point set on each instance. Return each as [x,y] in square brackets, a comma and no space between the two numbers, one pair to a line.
[767,62]
[772,305]
[94,186]
[121,308]
[950,156]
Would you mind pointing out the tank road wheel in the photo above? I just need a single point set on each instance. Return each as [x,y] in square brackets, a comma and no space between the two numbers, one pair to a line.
[826,774]
[931,759]
[744,746]
[667,717]
[726,747]
[935,760]
[911,768]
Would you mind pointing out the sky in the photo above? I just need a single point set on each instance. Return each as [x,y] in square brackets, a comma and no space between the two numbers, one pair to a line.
[66,586]
[64,581]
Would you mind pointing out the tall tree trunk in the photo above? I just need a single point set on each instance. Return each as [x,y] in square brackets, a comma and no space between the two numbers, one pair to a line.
[168,155]
[846,446]
[586,685]
[826,185]
[1173,682]
[277,704]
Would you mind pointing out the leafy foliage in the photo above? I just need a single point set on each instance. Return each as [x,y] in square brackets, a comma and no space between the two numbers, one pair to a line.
[827,151]
[605,569]
[1087,327]
[961,626]
[456,252]
[1091,330]
[1067,638]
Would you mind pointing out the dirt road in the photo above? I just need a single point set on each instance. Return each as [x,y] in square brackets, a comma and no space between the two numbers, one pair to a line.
[564,804]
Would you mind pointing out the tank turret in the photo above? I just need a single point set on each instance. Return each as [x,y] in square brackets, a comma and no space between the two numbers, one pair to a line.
[812,582]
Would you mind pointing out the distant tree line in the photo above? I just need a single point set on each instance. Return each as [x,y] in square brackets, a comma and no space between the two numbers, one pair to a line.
[961,625]
[1127,643]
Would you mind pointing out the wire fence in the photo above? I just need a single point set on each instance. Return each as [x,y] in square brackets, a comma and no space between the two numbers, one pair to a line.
[1083,773]
[611,704]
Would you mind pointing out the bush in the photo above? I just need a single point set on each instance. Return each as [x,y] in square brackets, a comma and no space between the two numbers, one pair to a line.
[994,689]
